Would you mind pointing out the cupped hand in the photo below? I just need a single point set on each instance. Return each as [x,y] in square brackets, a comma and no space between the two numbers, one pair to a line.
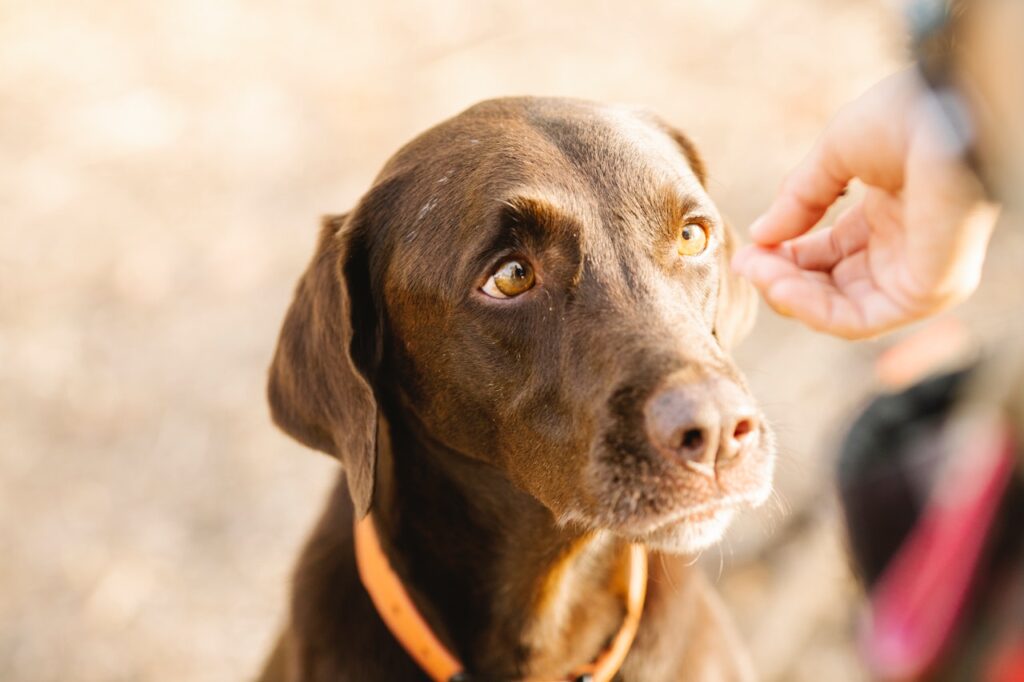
[913,245]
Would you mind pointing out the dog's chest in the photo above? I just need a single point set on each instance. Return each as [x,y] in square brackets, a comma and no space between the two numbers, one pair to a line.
[578,609]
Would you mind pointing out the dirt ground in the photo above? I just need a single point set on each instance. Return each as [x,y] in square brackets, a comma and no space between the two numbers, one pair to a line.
[162,167]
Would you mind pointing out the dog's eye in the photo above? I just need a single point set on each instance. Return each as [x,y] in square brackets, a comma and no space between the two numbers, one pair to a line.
[513,277]
[693,239]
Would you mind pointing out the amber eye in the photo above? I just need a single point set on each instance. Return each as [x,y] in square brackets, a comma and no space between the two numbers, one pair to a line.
[693,239]
[513,277]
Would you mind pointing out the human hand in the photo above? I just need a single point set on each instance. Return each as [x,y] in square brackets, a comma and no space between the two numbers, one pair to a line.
[912,246]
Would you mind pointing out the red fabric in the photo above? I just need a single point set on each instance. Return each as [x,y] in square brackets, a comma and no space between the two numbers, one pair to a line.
[920,596]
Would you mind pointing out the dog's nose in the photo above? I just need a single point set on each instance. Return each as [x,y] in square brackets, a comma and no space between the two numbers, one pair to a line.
[706,424]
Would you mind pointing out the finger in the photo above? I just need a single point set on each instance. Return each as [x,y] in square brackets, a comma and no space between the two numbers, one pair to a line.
[856,309]
[813,298]
[805,195]
[820,306]
[764,266]
[806,295]
[867,139]
[815,251]
[825,249]
[741,258]
[853,274]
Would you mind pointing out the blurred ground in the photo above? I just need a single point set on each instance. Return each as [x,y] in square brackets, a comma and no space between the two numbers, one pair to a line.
[162,167]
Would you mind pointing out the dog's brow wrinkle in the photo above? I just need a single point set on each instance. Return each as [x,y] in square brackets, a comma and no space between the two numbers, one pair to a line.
[681,206]
[542,214]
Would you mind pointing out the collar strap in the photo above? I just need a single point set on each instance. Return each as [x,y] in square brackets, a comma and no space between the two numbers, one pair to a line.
[403,619]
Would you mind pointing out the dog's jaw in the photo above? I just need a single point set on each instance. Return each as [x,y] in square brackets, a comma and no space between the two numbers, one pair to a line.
[674,525]
[691,535]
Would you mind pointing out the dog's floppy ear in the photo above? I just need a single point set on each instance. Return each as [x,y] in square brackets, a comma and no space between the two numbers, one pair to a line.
[319,387]
[736,308]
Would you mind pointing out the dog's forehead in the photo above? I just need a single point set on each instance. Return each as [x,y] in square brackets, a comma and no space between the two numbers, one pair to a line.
[616,148]
[556,142]
[613,149]
[590,161]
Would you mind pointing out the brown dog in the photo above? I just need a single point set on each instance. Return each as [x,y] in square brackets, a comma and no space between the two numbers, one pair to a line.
[516,346]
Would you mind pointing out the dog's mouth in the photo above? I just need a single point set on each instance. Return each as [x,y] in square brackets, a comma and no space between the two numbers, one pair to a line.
[671,507]
[694,528]
[705,515]
[692,533]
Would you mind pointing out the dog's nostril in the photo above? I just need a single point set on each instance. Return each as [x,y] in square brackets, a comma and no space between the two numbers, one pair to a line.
[742,432]
[693,440]
[743,428]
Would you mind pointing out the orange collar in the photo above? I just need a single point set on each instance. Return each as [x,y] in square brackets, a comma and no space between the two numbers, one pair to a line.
[419,641]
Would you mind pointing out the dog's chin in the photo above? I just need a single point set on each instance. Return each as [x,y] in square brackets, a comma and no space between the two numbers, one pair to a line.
[690,534]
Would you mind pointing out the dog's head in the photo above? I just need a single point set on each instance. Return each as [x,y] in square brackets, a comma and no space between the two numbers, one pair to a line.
[541,285]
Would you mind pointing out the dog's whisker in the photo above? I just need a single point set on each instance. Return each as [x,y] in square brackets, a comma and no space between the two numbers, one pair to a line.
[668,573]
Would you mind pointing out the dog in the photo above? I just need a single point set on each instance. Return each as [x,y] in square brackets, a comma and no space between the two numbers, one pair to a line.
[516,344]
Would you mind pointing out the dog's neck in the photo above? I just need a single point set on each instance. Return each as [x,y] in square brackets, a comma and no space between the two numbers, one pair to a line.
[506,588]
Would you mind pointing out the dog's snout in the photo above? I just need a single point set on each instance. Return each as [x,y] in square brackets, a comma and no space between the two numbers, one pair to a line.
[705,424]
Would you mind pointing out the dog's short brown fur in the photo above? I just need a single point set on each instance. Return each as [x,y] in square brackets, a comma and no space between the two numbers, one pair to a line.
[511,448]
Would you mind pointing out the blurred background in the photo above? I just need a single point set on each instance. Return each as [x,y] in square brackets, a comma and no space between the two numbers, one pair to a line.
[162,170]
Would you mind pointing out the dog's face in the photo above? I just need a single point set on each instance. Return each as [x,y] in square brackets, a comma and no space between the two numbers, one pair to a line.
[541,285]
